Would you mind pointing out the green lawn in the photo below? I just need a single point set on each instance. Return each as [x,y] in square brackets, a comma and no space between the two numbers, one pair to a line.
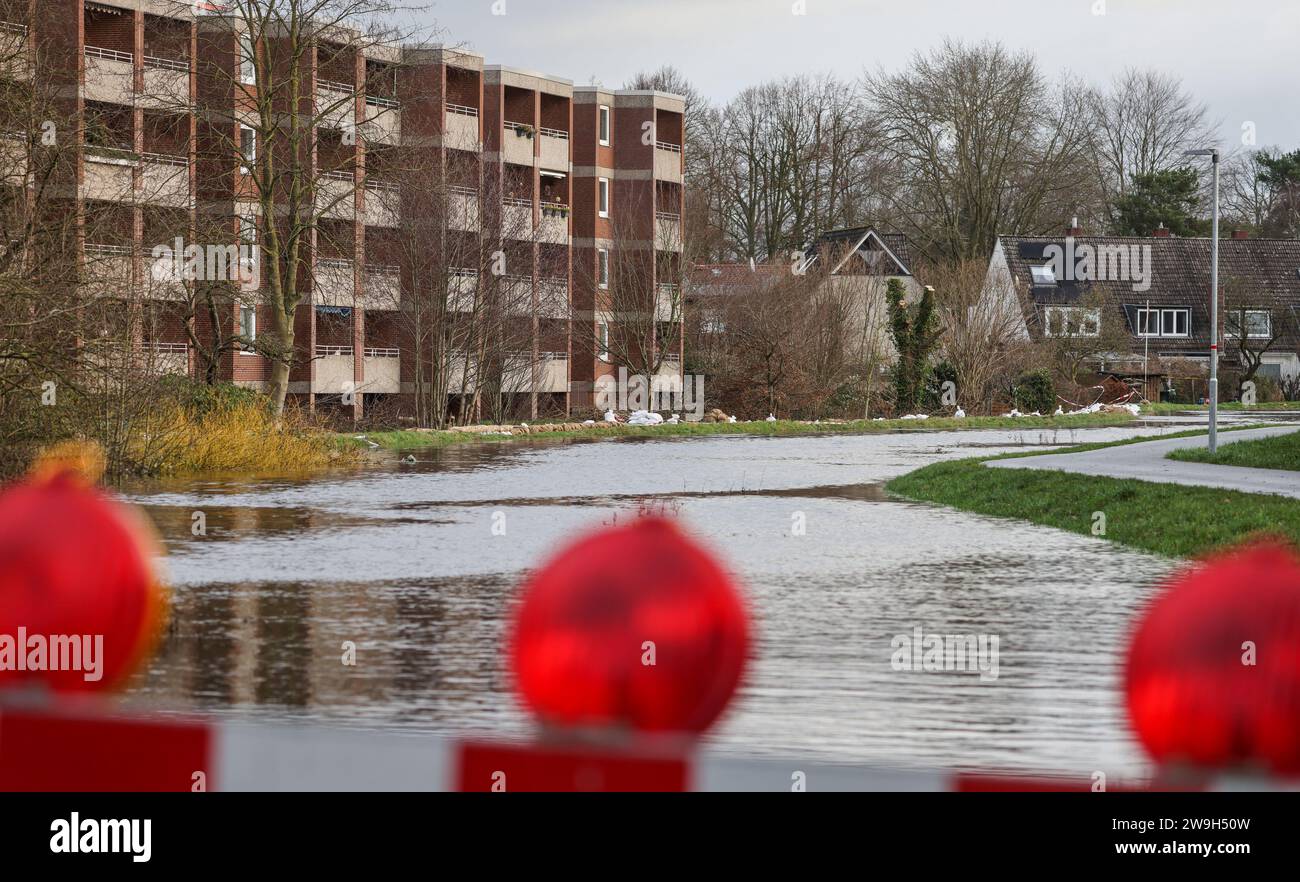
[1282,452]
[410,440]
[1168,519]
[1163,408]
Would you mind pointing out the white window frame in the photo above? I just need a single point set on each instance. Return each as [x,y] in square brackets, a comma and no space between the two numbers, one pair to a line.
[250,155]
[1248,314]
[247,62]
[604,125]
[1144,318]
[1081,316]
[247,324]
[1187,322]
[602,268]
[1043,276]
[602,340]
[602,197]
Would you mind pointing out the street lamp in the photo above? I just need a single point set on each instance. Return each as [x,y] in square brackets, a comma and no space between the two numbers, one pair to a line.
[1213,153]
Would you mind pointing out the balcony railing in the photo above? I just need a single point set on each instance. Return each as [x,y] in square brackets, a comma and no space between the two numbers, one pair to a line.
[554,209]
[383,269]
[349,177]
[110,54]
[173,348]
[458,190]
[518,201]
[520,128]
[181,64]
[325,351]
[671,148]
[383,101]
[462,109]
[108,250]
[382,352]
[13,27]
[167,159]
[668,216]
[338,263]
[554,133]
[335,86]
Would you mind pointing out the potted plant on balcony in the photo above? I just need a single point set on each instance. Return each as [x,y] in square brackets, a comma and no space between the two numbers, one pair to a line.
[523,130]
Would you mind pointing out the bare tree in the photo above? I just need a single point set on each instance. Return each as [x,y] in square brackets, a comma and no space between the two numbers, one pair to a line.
[1142,125]
[980,143]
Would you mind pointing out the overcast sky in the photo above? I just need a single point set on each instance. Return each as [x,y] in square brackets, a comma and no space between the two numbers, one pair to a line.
[1242,57]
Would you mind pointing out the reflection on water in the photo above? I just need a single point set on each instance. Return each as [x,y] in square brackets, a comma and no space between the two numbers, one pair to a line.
[402,562]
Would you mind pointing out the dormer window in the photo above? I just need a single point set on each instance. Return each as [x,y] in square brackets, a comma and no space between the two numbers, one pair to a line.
[1044,276]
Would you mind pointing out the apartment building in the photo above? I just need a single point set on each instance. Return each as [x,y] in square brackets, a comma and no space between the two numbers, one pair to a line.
[437,180]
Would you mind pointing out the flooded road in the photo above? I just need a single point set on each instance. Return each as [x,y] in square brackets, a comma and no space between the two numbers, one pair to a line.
[403,561]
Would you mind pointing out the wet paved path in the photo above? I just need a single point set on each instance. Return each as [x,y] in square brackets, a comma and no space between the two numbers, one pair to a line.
[1147,462]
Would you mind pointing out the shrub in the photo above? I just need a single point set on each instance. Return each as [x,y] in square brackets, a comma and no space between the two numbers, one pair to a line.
[1035,392]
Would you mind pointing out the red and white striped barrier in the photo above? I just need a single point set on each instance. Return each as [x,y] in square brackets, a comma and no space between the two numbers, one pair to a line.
[82,749]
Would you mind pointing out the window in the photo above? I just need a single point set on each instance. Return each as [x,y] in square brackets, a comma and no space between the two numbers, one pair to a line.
[602,267]
[248,229]
[603,197]
[1073,321]
[248,328]
[247,65]
[1043,275]
[604,126]
[1164,322]
[602,340]
[247,149]
[1259,323]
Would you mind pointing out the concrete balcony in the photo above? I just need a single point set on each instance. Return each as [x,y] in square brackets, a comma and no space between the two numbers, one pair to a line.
[165,180]
[517,143]
[165,358]
[109,175]
[335,195]
[13,161]
[110,76]
[668,231]
[553,298]
[166,84]
[14,61]
[517,219]
[383,205]
[462,289]
[671,366]
[668,162]
[462,210]
[383,369]
[108,271]
[668,306]
[335,373]
[334,283]
[553,228]
[555,372]
[336,105]
[383,289]
[555,149]
[461,374]
[460,131]
[383,123]
[516,296]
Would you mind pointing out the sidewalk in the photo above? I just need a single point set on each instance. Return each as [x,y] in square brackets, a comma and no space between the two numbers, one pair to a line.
[1146,462]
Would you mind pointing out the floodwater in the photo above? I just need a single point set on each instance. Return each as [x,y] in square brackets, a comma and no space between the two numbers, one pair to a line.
[402,561]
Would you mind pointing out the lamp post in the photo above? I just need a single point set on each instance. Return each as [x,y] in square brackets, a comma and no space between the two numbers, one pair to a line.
[1213,153]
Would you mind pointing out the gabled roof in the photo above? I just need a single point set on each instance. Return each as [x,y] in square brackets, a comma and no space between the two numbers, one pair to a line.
[865,251]
[1263,273]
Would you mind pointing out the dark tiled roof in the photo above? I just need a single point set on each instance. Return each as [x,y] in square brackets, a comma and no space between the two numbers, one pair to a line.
[837,240]
[710,279]
[1263,273]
